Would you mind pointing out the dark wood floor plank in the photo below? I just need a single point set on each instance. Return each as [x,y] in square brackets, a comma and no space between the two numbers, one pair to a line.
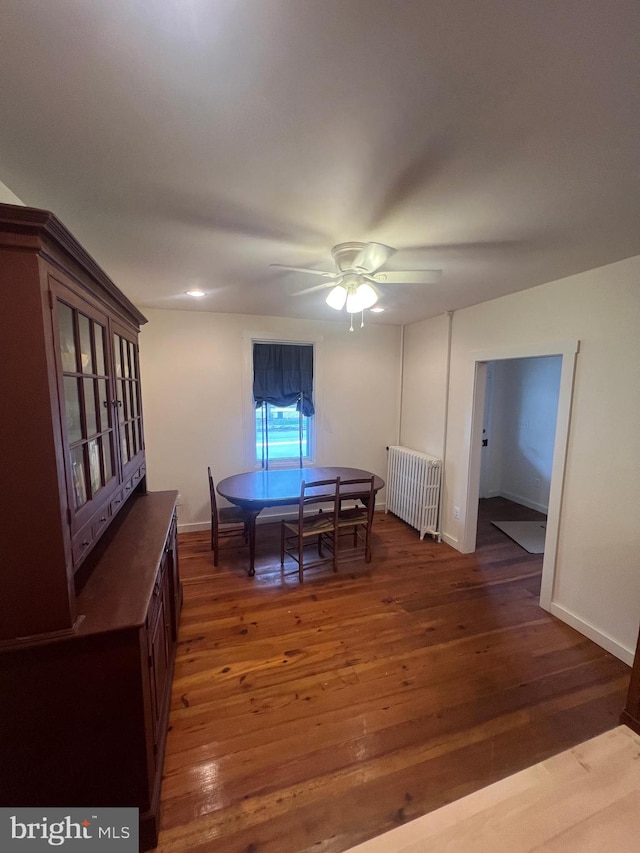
[313,716]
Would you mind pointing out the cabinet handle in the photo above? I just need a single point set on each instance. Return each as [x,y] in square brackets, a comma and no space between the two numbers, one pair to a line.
[117,500]
[86,542]
[104,518]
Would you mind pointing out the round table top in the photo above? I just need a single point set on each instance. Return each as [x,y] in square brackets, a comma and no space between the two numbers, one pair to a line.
[281,486]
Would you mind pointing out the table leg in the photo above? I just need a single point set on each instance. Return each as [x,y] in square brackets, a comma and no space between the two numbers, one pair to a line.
[251,516]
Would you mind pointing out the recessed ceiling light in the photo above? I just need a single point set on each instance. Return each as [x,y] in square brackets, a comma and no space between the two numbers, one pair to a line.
[195,293]
[377,309]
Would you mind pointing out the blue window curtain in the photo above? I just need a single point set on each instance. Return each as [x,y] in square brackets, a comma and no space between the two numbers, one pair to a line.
[283,376]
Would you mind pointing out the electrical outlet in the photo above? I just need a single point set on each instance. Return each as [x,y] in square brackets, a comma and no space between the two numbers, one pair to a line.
[456,512]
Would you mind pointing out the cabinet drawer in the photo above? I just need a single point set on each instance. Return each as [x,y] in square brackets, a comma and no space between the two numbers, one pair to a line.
[139,474]
[116,502]
[82,542]
[101,521]
[126,489]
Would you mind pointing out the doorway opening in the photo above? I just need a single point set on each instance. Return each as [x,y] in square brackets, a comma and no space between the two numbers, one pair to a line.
[521,473]
[518,432]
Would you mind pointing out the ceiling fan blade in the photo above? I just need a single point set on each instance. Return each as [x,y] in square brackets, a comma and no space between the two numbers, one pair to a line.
[322,286]
[407,277]
[478,245]
[412,177]
[306,269]
[372,257]
[217,213]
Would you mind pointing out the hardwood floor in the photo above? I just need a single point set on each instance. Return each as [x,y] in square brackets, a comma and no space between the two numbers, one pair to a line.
[315,716]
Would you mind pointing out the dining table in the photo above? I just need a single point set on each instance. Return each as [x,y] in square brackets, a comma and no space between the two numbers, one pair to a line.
[253,491]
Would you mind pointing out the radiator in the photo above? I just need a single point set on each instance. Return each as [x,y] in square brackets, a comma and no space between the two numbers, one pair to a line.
[413,488]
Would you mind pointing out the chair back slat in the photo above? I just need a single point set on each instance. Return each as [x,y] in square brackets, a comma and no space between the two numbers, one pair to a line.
[214,503]
[316,492]
[230,529]
[362,488]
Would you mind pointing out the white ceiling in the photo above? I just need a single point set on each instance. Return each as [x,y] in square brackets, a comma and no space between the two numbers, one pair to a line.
[191,143]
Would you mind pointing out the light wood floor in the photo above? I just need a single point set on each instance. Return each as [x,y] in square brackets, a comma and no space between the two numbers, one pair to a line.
[584,800]
[316,716]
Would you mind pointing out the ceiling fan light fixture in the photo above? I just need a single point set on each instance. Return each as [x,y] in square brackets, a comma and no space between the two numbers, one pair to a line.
[361,298]
[337,297]
[357,264]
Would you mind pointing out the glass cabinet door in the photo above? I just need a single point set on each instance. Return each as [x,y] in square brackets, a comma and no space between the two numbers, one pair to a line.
[87,410]
[127,377]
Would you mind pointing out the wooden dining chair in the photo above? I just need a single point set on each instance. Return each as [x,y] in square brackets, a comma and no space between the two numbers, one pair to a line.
[228,525]
[358,520]
[314,527]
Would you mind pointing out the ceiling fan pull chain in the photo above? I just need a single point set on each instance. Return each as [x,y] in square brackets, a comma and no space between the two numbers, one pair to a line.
[351,326]
[362,320]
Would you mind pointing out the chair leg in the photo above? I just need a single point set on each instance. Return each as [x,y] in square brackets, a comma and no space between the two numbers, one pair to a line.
[300,557]
[335,549]
[282,543]
[215,555]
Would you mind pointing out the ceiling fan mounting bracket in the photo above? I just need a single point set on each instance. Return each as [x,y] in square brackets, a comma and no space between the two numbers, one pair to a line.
[345,255]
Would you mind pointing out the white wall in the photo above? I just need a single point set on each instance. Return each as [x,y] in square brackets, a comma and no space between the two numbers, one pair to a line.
[7,197]
[597,581]
[520,418]
[196,393]
[424,386]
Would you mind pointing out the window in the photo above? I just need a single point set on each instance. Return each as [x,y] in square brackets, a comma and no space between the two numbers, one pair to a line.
[283,398]
[281,433]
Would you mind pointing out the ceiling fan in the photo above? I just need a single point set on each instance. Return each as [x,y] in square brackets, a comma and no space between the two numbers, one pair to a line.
[358,272]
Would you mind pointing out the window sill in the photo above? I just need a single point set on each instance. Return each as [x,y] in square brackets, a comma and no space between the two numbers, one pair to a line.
[286,463]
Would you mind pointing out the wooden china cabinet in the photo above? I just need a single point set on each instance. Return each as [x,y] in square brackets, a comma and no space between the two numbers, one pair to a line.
[91,591]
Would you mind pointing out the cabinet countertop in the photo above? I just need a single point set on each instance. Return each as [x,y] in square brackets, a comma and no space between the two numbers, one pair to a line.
[117,593]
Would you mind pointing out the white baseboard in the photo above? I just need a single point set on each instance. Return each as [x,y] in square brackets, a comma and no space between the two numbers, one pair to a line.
[451,540]
[192,528]
[603,640]
[266,517]
[525,502]
[492,493]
